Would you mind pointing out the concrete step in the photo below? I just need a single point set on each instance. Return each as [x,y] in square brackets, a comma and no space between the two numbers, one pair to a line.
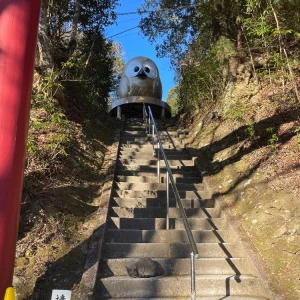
[136,228]
[153,162]
[179,286]
[181,266]
[178,178]
[200,298]
[154,186]
[158,194]
[135,170]
[148,148]
[142,130]
[149,156]
[174,250]
[147,141]
[166,236]
[177,173]
[142,138]
[159,212]
[137,132]
[155,202]
[160,223]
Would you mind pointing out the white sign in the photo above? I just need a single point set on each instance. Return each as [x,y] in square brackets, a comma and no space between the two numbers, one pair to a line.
[61,295]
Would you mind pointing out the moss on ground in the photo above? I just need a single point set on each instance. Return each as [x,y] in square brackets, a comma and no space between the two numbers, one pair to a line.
[256,177]
[60,201]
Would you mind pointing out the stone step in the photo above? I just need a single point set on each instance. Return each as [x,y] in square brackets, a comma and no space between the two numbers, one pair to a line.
[174,250]
[200,298]
[160,223]
[181,266]
[142,131]
[159,212]
[149,156]
[148,147]
[200,194]
[141,142]
[166,236]
[153,162]
[178,178]
[137,132]
[144,170]
[179,286]
[144,137]
[136,225]
[155,202]
[154,186]
[177,173]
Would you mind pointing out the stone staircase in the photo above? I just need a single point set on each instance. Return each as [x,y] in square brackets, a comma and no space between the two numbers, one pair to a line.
[136,228]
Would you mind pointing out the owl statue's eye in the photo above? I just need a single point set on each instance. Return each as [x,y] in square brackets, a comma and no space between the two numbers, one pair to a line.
[150,69]
[133,68]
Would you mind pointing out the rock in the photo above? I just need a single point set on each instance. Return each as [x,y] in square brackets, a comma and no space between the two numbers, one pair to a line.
[99,154]
[74,163]
[144,268]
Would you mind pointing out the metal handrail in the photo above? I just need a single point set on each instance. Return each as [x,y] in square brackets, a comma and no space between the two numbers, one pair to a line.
[169,176]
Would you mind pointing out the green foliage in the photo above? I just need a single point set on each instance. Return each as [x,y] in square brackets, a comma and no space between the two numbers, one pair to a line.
[235,112]
[273,140]
[251,130]
[180,23]
[202,38]
[223,49]
[82,57]
[201,80]
[173,100]
[90,73]
[297,131]
[47,116]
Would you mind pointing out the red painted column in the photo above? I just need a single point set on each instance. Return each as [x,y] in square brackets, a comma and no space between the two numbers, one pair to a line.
[18,35]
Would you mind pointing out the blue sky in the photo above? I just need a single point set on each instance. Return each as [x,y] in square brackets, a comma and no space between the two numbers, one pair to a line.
[134,44]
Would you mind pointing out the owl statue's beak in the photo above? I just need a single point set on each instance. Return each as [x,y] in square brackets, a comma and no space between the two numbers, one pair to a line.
[141,73]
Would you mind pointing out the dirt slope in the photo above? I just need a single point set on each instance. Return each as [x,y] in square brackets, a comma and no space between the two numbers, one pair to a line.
[248,149]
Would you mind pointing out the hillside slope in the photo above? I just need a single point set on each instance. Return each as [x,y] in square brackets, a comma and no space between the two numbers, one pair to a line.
[248,150]
[69,162]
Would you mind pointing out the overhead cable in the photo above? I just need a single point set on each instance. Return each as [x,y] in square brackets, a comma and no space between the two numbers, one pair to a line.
[122,32]
[157,10]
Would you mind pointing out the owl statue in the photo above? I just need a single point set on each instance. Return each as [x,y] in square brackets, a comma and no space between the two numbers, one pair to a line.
[140,78]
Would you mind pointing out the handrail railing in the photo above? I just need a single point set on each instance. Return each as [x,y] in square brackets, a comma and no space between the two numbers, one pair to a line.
[148,119]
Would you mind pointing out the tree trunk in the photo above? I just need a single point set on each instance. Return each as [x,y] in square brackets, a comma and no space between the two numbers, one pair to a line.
[44,60]
[74,31]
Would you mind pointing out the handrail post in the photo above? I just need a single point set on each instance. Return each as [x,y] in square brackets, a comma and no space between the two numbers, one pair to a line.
[153,147]
[149,122]
[158,164]
[145,117]
[168,202]
[193,285]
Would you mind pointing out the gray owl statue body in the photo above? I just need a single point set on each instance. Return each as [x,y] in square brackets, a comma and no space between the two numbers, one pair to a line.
[140,78]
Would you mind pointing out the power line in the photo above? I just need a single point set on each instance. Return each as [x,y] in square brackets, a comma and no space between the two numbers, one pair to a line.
[144,12]
[122,36]
[131,2]
[127,20]
[157,10]
[122,32]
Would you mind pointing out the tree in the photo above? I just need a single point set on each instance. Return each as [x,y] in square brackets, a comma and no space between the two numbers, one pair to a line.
[118,66]
[180,23]
[72,44]
[173,100]
[207,40]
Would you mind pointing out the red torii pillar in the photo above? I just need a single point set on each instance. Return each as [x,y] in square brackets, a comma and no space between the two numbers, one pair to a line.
[18,35]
